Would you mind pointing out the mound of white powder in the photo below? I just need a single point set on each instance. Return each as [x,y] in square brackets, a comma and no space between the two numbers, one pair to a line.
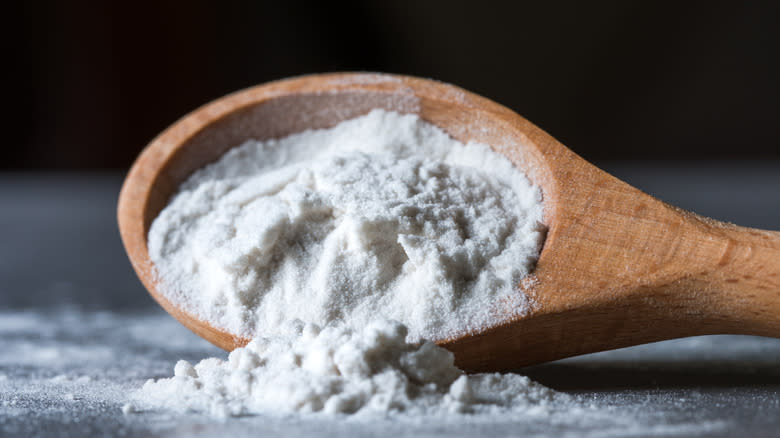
[383,216]
[367,373]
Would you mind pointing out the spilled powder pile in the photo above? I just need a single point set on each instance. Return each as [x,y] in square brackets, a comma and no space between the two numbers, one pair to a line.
[382,216]
[368,373]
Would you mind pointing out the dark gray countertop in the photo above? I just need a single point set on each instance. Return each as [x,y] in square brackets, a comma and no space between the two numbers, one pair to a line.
[78,331]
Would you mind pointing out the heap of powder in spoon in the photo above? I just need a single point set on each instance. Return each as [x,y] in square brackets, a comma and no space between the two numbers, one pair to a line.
[383,216]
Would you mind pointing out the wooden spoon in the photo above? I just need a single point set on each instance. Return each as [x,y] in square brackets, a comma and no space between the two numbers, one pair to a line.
[618,267]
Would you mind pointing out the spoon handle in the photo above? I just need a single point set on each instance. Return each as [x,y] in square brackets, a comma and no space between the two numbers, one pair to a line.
[740,284]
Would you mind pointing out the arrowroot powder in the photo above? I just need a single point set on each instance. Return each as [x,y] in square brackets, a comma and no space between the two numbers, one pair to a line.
[383,216]
[369,372]
[339,251]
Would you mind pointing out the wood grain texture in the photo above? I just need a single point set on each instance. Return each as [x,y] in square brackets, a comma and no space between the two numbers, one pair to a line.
[618,267]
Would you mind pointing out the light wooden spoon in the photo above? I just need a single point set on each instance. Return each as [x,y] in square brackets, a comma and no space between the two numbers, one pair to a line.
[618,267]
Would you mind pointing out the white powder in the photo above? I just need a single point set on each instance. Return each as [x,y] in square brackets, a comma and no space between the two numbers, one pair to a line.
[383,216]
[373,372]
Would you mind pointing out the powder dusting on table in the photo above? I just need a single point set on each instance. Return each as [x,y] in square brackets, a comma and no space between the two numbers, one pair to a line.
[68,372]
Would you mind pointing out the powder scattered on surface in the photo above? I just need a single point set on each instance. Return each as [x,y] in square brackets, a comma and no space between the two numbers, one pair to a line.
[373,372]
[382,216]
[101,357]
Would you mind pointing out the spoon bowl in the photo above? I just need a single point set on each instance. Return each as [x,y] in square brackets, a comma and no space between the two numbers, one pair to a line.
[618,267]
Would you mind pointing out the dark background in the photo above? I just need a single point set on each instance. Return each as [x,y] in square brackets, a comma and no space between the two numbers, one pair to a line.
[91,83]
